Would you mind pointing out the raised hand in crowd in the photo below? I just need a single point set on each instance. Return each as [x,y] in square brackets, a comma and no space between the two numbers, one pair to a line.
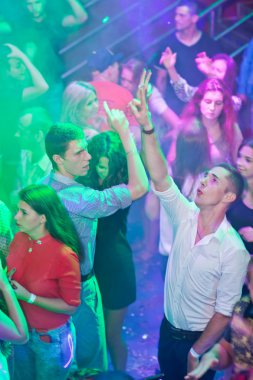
[204,63]
[137,178]
[168,60]
[139,105]
[38,86]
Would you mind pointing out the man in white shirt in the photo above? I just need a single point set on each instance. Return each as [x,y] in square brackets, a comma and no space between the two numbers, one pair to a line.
[208,260]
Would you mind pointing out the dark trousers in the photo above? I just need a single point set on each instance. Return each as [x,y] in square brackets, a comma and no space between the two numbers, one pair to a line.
[173,348]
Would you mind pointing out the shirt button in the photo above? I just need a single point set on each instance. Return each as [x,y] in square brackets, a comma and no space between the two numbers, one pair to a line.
[30,250]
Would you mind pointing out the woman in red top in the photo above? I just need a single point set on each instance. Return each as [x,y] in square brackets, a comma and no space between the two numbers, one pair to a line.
[44,267]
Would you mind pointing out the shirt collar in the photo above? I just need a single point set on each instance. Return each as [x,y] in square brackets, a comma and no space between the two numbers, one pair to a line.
[42,240]
[219,233]
[222,229]
[61,178]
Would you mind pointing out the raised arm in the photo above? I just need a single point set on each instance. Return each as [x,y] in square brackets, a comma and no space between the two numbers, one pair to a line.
[181,87]
[78,16]
[151,151]
[39,85]
[204,63]
[137,178]
[13,327]
[168,60]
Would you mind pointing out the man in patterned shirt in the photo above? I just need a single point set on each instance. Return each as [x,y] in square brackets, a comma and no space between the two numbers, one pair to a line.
[67,149]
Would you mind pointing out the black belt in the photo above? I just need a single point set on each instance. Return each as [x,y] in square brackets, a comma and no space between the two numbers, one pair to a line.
[86,277]
[179,334]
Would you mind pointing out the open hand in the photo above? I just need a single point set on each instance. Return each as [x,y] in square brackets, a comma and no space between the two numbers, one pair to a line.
[207,361]
[192,362]
[168,58]
[203,63]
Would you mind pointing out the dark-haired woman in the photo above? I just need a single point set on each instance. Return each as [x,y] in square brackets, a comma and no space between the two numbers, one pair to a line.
[13,326]
[45,271]
[113,265]
[241,213]
[211,108]
[220,66]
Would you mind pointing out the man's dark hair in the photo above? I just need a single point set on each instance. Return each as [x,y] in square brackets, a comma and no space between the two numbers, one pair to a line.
[191,5]
[235,179]
[58,138]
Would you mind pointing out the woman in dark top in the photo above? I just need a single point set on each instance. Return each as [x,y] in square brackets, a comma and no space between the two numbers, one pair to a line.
[113,264]
[240,214]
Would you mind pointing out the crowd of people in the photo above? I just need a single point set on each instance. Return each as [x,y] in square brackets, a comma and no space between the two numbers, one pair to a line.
[74,157]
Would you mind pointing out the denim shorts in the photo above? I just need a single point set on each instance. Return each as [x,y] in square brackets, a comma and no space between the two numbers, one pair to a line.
[47,355]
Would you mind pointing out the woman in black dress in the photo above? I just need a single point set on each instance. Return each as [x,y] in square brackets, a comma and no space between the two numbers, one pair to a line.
[113,264]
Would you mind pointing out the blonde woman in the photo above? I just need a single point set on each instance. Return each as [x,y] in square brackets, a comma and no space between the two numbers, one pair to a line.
[80,107]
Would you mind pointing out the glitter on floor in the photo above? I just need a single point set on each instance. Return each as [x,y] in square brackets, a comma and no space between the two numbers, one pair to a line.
[143,320]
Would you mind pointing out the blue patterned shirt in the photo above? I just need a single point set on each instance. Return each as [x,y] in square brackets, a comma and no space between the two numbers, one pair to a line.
[85,205]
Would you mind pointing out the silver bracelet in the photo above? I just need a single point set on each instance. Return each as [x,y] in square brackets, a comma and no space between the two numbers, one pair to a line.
[194,353]
[32,298]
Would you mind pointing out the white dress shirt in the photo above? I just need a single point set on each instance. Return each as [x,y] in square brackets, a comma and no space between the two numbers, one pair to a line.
[201,278]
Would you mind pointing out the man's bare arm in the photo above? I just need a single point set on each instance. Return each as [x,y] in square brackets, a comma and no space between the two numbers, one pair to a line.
[151,151]
[208,338]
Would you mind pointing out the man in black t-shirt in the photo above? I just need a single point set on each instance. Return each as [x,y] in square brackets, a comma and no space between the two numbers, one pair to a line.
[187,42]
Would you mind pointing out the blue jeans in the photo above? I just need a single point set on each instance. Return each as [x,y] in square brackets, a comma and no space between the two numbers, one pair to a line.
[46,356]
[90,328]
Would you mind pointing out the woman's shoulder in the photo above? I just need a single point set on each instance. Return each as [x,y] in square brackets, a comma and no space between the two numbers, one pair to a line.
[20,236]
[61,249]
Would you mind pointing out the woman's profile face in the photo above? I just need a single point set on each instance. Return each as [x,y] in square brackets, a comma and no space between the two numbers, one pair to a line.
[28,220]
[211,105]
[244,161]
[17,69]
[89,108]
[218,69]
[127,80]
[102,168]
